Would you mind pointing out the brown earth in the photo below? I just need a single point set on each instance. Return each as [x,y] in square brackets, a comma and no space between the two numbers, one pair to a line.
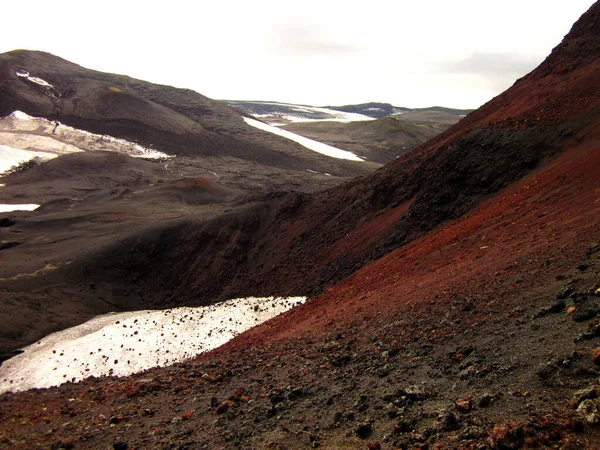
[455,298]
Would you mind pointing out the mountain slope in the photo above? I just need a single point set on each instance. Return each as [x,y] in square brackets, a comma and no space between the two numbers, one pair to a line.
[175,121]
[458,304]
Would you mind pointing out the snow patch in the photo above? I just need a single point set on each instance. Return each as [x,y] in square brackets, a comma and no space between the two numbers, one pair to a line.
[55,137]
[39,81]
[316,146]
[24,207]
[21,115]
[121,344]
[22,73]
[11,157]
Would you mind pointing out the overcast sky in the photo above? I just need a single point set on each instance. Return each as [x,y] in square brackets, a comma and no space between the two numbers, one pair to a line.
[411,53]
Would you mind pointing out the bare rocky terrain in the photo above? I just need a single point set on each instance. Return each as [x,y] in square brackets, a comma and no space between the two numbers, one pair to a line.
[453,295]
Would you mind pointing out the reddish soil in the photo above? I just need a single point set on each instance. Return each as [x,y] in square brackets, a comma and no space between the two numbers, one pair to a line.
[456,298]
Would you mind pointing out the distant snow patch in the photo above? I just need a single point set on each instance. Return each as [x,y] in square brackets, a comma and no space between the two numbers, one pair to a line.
[39,81]
[22,73]
[316,146]
[124,343]
[25,207]
[21,115]
[55,137]
[12,157]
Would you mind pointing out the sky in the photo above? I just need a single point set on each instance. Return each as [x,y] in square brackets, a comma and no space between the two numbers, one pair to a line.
[457,53]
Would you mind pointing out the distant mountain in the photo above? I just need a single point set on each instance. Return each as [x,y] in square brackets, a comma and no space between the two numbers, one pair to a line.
[378,132]
[373,109]
[199,131]
[284,113]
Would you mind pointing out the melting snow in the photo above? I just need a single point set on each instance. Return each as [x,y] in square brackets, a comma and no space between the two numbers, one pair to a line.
[11,157]
[22,73]
[25,207]
[318,114]
[55,138]
[39,81]
[316,146]
[21,115]
[124,343]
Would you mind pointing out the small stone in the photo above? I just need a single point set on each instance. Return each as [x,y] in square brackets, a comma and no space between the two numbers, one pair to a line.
[374,446]
[277,398]
[485,401]
[564,292]
[597,292]
[589,411]
[363,430]
[224,406]
[416,393]
[557,307]
[586,314]
[583,394]
[596,356]
[447,421]
[463,404]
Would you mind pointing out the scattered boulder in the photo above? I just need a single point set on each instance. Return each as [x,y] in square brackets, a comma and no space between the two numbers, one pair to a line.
[565,291]
[447,421]
[224,406]
[583,394]
[485,400]
[586,314]
[596,356]
[589,410]
[363,430]
[464,404]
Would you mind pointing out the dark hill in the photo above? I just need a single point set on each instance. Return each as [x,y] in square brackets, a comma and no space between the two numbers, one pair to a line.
[176,121]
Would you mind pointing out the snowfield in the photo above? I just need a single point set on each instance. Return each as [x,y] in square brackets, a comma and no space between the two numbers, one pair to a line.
[24,207]
[23,137]
[10,157]
[315,146]
[300,113]
[124,343]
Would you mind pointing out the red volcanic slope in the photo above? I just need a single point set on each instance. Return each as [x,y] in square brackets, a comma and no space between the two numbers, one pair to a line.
[292,244]
[551,214]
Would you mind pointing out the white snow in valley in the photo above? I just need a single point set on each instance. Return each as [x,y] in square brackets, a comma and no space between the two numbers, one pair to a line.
[304,114]
[22,73]
[24,137]
[316,146]
[11,157]
[124,343]
[24,207]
